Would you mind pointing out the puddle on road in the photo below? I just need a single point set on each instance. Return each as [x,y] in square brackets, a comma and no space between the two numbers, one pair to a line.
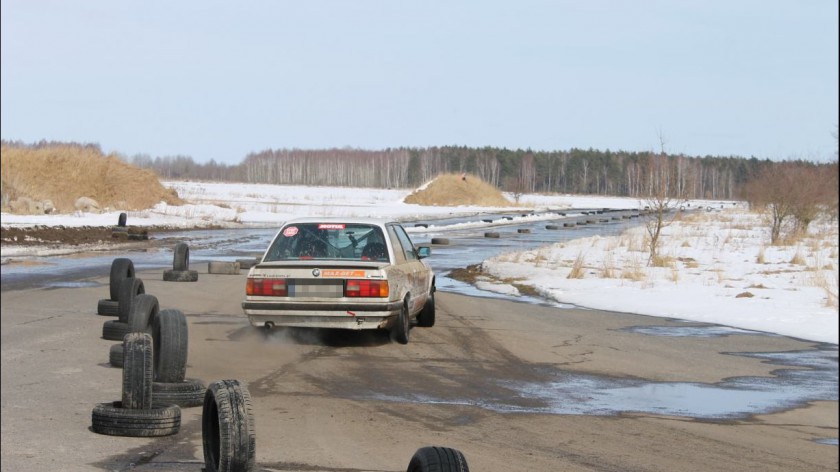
[71,284]
[827,441]
[812,377]
[705,331]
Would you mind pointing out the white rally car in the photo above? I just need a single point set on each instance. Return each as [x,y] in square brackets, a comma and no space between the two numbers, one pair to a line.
[349,273]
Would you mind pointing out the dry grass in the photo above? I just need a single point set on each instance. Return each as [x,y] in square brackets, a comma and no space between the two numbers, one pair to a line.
[798,258]
[577,268]
[450,190]
[608,269]
[829,286]
[633,270]
[64,172]
[662,261]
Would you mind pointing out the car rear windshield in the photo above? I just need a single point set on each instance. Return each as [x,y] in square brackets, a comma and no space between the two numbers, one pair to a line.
[328,241]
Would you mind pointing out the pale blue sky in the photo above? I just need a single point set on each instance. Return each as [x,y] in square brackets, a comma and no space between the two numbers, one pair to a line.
[217,80]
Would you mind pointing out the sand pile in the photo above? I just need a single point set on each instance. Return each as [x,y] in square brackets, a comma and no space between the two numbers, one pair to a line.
[457,190]
[64,173]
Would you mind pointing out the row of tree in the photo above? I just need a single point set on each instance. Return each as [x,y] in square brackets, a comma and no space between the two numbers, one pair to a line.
[577,171]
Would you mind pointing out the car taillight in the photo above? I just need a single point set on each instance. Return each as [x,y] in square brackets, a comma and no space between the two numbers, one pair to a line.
[266,287]
[366,288]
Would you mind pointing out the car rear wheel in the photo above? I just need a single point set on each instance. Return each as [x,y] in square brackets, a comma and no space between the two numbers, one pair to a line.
[426,318]
[399,332]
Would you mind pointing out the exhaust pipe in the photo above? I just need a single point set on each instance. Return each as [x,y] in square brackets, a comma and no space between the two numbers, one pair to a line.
[269,325]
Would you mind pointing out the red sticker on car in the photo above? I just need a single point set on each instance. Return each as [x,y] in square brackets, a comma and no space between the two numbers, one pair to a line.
[331,226]
[290,231]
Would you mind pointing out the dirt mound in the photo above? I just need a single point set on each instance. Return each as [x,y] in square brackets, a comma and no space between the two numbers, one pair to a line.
[455,190]
[63,173]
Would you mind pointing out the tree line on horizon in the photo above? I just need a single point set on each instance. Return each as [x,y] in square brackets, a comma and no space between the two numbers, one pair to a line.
[575,171]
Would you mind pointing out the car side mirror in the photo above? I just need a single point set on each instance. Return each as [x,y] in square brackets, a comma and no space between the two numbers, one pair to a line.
[424,251]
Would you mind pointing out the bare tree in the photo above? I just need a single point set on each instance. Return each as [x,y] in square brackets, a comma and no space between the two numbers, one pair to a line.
[664,197]
[772,191]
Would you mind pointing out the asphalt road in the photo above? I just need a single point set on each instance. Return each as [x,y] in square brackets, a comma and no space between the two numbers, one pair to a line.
[357,402]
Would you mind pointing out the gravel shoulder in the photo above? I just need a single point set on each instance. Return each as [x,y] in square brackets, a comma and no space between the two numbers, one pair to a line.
[343,402]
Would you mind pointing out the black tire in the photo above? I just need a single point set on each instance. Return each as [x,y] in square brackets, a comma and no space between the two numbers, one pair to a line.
[186,394]
[121,268]
[115,356]
[181,258]
[138,369]
[107,307]
[169,334]
[129,289]
[402,327]
[552,227]
[491,234]
[441,241]
[114,330]
[426,318]
[114,420]
[143,311]
[180,276]
[523,230]
[438,459]
[122,219]
[227,428]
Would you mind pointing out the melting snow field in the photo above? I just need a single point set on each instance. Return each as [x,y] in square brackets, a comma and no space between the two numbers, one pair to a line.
[715,265]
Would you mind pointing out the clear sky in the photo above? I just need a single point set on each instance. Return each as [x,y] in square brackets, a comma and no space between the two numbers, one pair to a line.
[217,80]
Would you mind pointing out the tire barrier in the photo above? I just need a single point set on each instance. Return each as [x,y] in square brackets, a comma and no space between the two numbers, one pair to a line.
[121,268]
[170,336]
[115,355]
[569,225]
[223,267]
[107,307]
[114,330]
[153,356]
[137,371]
[438,459]
[129,289]
[440,241]
[143,312]
[227,428]
[523,230]
[552,227]
[421,225]
[114,420]
[188,393]
[181,257]
[122,219]
[492,234]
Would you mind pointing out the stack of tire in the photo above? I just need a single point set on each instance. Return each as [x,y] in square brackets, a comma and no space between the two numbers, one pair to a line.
[136,415]
[180,271]
[123,285]
[153,357]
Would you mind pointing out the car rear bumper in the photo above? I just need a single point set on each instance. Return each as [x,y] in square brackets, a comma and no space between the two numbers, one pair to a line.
[308,315]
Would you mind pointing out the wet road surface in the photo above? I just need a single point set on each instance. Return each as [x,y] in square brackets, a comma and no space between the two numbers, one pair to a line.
[516,386]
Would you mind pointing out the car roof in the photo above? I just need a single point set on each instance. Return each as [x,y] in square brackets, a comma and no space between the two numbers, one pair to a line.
[333,219]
